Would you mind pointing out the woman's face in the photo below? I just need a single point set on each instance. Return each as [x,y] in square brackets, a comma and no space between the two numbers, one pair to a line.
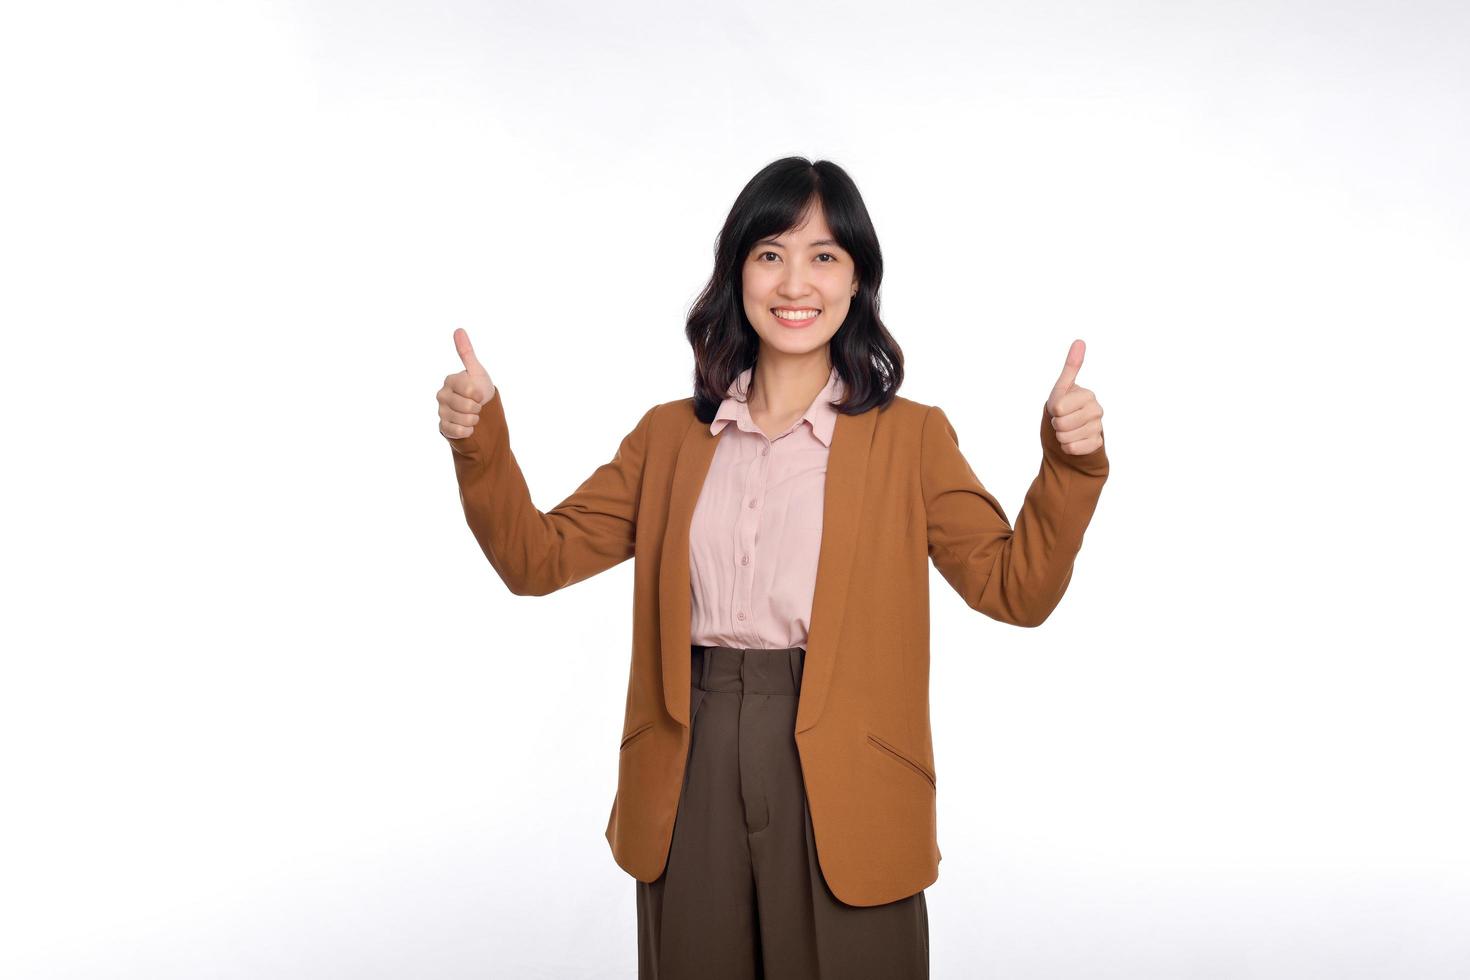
[799,272]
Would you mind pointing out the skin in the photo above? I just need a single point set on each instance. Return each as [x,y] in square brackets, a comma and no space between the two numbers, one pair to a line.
[1075,414]
[802,267]
[463,394]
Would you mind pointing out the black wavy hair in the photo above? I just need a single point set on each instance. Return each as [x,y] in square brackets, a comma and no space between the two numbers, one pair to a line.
[778,199]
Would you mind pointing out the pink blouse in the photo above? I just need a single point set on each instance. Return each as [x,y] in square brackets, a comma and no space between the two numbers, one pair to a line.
[757,527]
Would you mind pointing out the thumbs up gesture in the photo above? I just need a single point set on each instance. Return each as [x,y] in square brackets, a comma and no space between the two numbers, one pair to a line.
[464,393]
[1075,414]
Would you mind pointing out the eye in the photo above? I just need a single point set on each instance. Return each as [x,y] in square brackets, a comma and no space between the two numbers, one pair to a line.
[823,255]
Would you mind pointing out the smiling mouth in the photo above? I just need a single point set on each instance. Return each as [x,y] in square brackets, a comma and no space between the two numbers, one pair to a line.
[796,316]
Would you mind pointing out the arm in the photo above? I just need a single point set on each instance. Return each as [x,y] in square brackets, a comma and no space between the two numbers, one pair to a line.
[533,552]
[1014,576]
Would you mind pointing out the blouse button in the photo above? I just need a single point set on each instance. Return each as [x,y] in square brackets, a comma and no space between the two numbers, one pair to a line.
[752,503]
[740,615]
[765,449]
[745,559]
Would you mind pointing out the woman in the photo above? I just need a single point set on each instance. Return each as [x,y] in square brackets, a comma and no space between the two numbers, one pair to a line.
[776,784]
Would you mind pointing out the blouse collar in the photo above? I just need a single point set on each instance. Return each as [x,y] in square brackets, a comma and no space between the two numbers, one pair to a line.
[820,415]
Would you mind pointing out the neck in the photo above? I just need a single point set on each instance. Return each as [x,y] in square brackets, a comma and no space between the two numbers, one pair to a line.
[785,384]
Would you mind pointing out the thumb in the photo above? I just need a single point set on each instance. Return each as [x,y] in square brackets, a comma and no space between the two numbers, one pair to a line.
[1070,369]
[467,353]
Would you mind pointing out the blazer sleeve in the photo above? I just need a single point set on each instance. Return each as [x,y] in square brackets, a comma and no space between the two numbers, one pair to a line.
[1014,575]
[536,553]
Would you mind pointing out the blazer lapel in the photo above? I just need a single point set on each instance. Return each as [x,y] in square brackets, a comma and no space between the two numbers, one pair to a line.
[690,468]
[842,507]
[842,502]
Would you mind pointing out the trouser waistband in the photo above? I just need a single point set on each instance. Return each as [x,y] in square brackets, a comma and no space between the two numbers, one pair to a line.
[747,670]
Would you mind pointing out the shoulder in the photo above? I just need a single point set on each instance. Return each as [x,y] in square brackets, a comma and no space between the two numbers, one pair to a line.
[669,420]
[904,417]
[678,411]
[907,409]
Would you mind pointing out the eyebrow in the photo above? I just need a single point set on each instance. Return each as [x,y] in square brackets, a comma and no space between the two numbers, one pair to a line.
[820,241]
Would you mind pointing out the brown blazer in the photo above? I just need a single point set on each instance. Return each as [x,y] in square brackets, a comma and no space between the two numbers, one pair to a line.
[898,493]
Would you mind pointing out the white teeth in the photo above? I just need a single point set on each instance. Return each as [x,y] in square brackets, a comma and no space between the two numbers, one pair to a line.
[804,315]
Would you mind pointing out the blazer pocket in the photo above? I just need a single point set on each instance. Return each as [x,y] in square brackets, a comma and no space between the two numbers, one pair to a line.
[887,747]
[635,734]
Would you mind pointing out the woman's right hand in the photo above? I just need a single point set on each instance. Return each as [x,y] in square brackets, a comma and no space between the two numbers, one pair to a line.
[464,393]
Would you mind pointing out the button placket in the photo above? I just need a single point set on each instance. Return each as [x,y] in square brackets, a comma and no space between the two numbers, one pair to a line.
[741,544]
[755,498]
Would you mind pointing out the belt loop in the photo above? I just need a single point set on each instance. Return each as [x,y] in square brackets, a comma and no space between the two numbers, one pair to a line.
[795,674]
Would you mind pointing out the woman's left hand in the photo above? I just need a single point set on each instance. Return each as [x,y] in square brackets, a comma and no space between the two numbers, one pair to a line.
[1074,411]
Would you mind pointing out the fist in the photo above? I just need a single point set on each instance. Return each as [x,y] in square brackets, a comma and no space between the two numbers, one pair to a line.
[464,393]
[1075,414]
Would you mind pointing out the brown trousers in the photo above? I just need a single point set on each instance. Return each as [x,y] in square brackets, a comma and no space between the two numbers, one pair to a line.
[742,896]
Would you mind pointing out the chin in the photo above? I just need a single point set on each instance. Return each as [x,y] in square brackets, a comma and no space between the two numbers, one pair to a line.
[790,342]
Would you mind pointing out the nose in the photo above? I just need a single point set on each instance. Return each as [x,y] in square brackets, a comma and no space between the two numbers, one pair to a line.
[792,285]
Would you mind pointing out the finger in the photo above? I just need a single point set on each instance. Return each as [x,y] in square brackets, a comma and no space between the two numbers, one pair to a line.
[1082,447]
[464,383]
[1072,421]
[467,352]
[469,419]
[460,396]
[1078,399]
[1083,439]
[1070,369]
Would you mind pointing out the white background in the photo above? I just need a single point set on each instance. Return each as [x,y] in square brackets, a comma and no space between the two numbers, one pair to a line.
[262,694]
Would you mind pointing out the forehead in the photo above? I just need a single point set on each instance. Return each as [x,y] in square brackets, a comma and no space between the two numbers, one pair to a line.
[812,231]
[810,235]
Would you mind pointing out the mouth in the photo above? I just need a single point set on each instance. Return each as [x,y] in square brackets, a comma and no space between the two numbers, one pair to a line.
[795,316]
